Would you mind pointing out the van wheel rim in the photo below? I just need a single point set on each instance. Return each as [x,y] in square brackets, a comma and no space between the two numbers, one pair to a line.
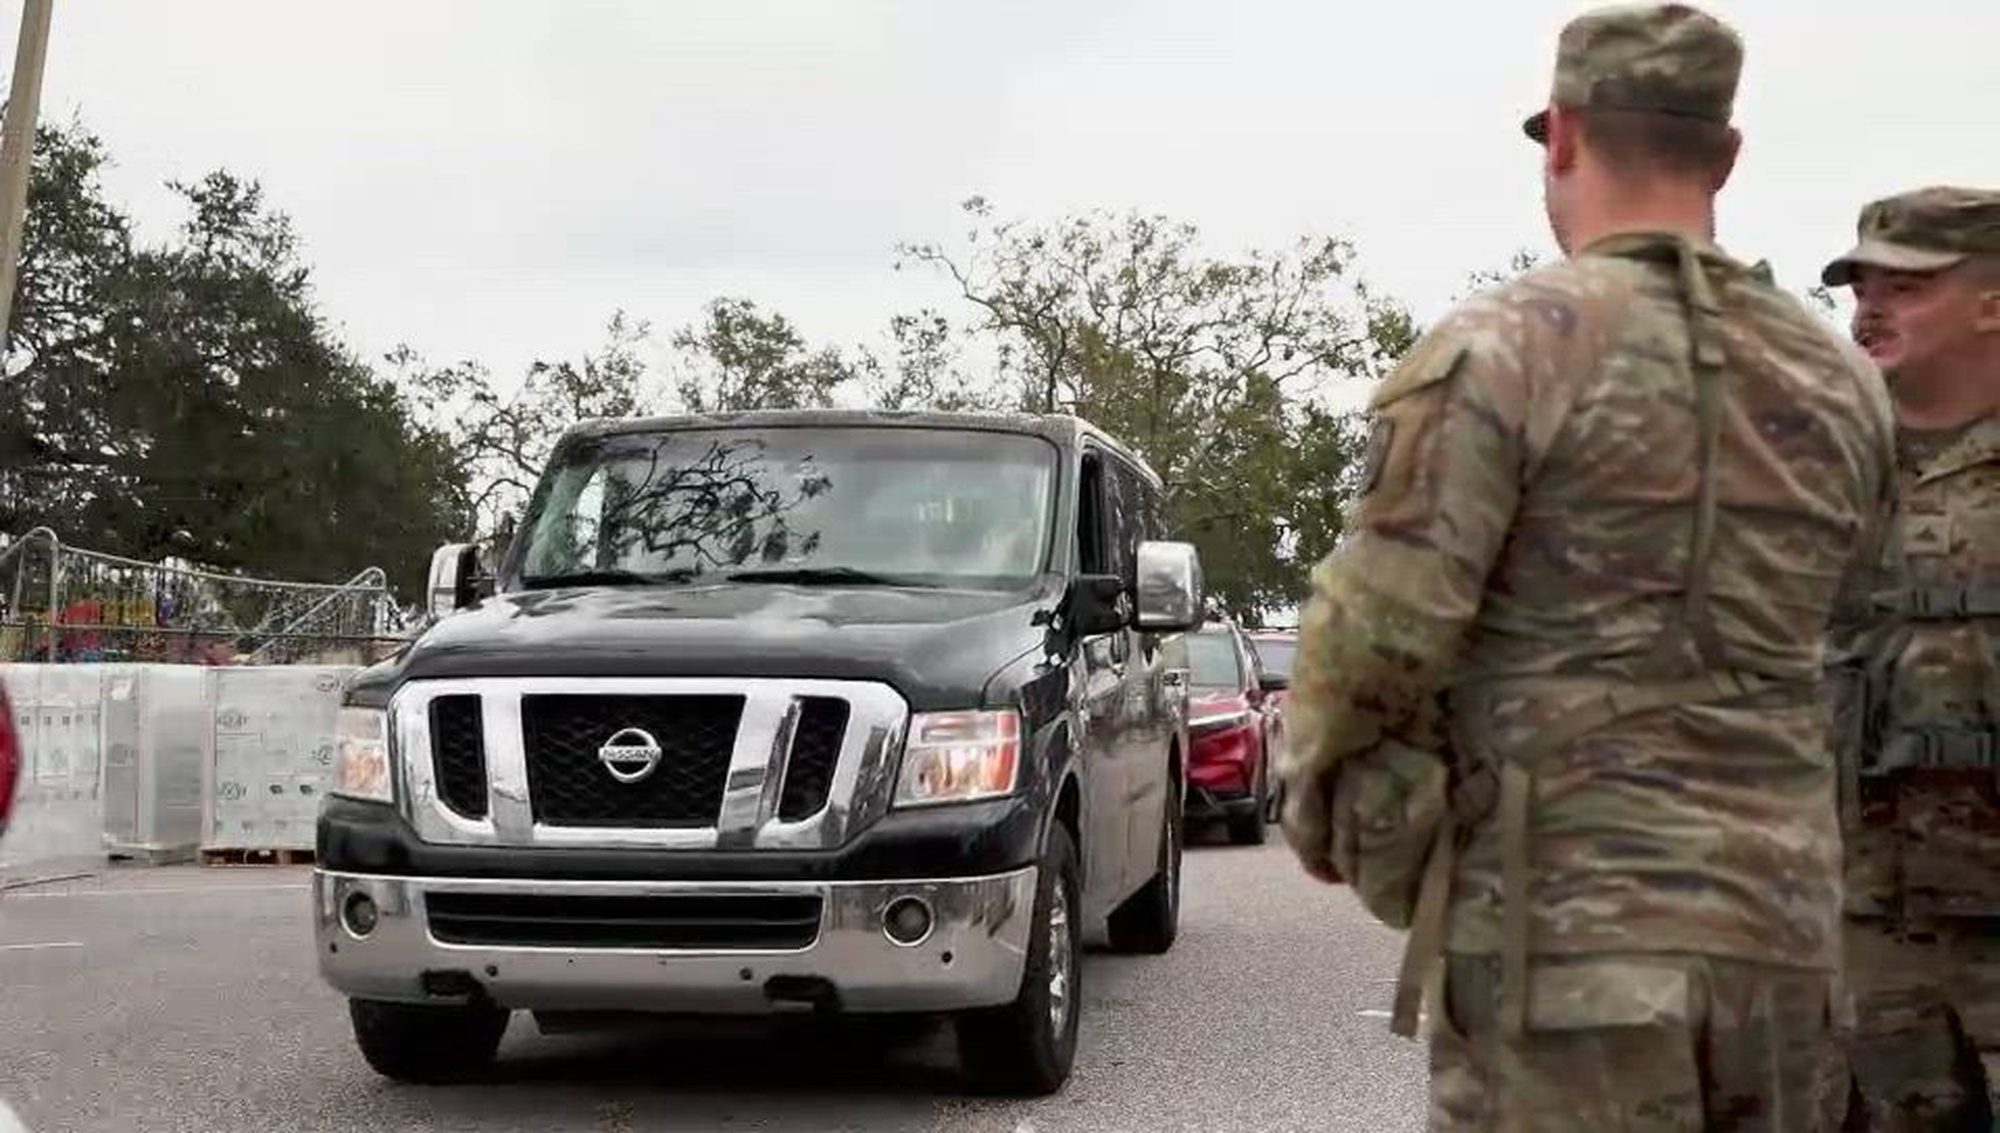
[1061,959]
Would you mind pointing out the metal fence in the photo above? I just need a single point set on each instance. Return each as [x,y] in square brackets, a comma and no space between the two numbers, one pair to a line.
[62,604]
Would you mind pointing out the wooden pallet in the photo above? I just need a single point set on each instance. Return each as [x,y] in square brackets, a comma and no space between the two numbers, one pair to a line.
[218,856]
[151,855]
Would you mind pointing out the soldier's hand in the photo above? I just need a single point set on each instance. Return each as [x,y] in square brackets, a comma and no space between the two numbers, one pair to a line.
[1321,869]
[1306,819]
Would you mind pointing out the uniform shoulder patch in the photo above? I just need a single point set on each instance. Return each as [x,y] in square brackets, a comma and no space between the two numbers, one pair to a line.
[1433,359]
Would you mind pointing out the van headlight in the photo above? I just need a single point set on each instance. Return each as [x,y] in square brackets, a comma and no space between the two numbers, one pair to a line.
[361,768]
[955,757]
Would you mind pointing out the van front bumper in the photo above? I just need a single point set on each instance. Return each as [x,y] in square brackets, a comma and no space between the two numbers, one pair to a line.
[738,947]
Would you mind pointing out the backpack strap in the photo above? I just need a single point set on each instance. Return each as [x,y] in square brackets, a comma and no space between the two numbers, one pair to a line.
[1942,603]
[1708,354]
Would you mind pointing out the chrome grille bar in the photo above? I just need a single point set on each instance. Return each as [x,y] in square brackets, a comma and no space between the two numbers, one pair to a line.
[747,812]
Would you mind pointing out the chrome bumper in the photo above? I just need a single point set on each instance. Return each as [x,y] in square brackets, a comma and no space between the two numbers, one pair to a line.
[973,956]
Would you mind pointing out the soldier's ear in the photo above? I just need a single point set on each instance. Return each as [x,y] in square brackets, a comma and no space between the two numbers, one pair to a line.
[1727,165]
[1982,272]
[1561,145]
[1987,320]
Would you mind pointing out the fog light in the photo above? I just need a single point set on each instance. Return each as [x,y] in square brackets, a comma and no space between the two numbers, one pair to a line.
[360,914]
[907,921]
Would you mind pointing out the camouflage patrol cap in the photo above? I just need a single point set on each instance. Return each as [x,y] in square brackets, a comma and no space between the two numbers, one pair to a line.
[1665,58]
[1925,230]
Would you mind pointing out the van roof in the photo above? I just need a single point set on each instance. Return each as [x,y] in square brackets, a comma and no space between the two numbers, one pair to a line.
[1064,429]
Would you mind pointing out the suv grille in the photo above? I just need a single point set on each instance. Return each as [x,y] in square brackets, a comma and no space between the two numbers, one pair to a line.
[570,786]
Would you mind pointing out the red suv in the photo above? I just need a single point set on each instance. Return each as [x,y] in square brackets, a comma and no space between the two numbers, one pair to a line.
[1229,730]
[1274,650]
[10,780]
[10,759]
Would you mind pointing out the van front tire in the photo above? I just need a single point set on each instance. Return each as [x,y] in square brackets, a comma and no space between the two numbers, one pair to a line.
[1027,1047]
[427,1044]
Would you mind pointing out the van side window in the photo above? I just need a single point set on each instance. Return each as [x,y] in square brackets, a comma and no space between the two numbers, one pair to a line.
[1139,520]
[1152,521]
[1091,557]
[1122,515]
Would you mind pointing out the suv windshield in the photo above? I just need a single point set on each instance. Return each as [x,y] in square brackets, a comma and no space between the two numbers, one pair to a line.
[1213,661]
[848,505]
[1275,654]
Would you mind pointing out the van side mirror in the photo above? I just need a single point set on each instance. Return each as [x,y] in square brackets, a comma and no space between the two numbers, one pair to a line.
[454,578]
[1274,682]
[1170,587]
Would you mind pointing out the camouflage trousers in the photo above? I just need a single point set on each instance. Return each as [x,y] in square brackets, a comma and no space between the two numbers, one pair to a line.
[1636,1043]
[1925,1049]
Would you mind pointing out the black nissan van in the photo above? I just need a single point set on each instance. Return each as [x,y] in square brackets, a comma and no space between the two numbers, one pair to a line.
[824,710]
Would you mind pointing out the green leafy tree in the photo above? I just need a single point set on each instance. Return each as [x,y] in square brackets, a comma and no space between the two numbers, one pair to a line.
[741,358]
[1213,368]
[184,399]
[926,368]
[738,357]
[1485,279]
[501,441]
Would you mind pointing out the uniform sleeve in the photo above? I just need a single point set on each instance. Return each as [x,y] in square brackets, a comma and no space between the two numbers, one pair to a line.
[1875,571]
[1389,613]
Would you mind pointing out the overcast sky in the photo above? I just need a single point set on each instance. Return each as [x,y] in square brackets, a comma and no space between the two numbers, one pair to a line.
[492,180]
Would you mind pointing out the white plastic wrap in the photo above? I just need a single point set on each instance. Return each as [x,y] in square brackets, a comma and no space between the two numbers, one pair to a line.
[271,754]
[157,727]
[59,811]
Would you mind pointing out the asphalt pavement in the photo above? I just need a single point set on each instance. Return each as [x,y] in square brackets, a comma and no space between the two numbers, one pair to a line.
[185,999]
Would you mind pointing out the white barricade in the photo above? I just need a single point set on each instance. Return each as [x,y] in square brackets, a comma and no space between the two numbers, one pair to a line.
[157,761]
[157,729]
[271,755]
[59,810]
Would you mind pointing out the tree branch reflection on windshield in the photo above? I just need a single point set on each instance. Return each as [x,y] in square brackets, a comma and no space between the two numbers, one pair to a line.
[861,505]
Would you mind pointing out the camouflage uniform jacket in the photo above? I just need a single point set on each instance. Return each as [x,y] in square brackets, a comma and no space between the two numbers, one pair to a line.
[1523,547]
[1928,839]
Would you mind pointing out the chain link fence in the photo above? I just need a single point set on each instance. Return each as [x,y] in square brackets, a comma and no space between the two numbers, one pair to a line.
[62,604]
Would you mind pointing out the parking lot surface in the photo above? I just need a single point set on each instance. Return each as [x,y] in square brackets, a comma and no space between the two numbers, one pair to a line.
[185,999]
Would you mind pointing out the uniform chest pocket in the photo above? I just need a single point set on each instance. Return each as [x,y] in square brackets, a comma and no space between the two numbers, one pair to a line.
[1927,536]
[1975,539]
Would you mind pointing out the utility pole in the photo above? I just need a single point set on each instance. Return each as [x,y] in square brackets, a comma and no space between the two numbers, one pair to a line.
[17,148]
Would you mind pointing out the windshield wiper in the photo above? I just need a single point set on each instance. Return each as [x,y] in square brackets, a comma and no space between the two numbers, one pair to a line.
[612,577]
[828,574]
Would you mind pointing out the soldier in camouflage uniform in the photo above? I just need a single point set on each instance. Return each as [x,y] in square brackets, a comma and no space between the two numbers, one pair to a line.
[1922,824]
[1556,709]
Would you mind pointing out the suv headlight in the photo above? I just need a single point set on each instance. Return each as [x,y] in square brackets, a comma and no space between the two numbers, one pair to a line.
[955,757]
[361,768]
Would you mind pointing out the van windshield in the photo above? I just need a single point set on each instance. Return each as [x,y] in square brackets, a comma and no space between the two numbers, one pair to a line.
[835,505]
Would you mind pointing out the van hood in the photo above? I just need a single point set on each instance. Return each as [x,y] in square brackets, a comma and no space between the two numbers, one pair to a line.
[938,648]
